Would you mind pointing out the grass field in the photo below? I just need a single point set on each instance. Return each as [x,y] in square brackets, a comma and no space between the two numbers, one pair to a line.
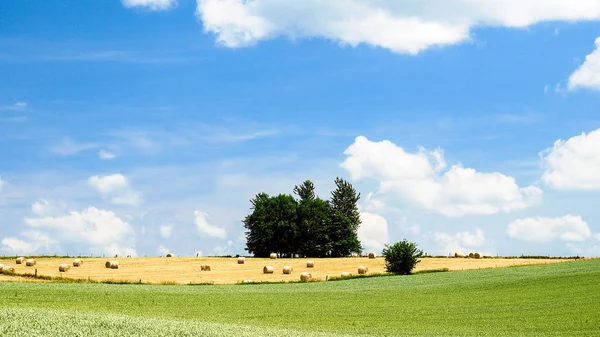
[184,270]
[540,300]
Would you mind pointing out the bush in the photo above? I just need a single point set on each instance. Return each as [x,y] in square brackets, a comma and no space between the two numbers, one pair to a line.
[401,257]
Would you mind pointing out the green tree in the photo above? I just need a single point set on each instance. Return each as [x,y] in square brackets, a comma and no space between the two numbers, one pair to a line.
[401,257]
[306,191]
[259,234]
[345,219]
[313,215]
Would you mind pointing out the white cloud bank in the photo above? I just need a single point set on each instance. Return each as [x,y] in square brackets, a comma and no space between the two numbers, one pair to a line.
[117,189]
[573,164]
[459,242]
[102,231]
[421,179]
[587,76]
[569,228]
[154,5]
[207,229]
[403,26]
[373,232]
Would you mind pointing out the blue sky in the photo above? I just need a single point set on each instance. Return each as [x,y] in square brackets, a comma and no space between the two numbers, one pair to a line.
[145,126]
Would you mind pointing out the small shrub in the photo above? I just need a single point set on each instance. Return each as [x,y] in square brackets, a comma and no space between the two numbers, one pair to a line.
[401,257]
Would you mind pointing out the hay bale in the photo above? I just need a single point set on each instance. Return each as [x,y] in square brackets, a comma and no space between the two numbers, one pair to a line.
[477,256]
[273,256]
[247,281]
[205,267]
[30,262]
[310,264]
[169,255]
[1,266]
[372,255]
[362,270]
[20,260]
[287,269]
[64,268]
[268,270]
[77,263]
[241,260]
[7,269]
[112,264]
[471,255]
[346,274]
[458,255]
[305,276]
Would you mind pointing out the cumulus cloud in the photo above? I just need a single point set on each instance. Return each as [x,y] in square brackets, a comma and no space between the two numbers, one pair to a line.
[205,228]
[568,228]
[573,164]
[587,76]
[402,26]
[373,232]
[106,155]
[47,208]
[166,230]
[117,189]
[459,242]
[154,5]
[162,250]
[103,232]
[422,179]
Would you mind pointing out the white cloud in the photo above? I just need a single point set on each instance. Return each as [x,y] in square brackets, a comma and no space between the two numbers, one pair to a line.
[166,230]
[205,228]
[373,232]
[459,242]
[402,26]
[106,155]
[587,76]
[47,208]
[68,147]
[597,236]
[117,189]
[155,5]
[2,183]
[569,228]
[573,164]
[420,178]
[102,231]
[162,250]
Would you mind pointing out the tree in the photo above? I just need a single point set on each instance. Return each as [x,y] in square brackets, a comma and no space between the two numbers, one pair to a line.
[346,219]
[306,191]
[344,199]
[313,215]
[401,257]
[259,234]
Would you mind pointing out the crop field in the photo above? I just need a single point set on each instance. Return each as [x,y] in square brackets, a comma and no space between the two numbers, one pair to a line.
[560,299]
[185,270]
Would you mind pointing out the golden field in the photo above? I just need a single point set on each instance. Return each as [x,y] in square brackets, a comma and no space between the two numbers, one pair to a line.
[184,270]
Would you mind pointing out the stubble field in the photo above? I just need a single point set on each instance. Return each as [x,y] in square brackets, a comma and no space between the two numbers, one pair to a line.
[186,270]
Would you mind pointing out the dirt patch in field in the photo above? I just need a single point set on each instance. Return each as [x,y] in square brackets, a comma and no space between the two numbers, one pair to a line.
[184,270]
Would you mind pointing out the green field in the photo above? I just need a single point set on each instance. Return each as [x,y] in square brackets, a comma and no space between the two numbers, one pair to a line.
[543,300]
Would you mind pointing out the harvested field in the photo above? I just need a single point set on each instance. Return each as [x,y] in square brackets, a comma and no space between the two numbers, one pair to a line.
[184,270]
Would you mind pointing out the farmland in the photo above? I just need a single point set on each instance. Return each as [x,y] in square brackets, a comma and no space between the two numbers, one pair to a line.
[185,270]
[554,299]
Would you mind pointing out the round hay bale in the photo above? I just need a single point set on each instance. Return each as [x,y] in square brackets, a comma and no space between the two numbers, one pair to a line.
[77,263]
[20,260]
[305,276]
[30,262]
[241,260]
[247,281]
[346,274]
[477,256]
[268,270]
[112,264]
[7,269]
[64,268]
[205,267]
[471,255]
[287,269]
[1,266]
[310,264]
[169,255]
[363,270]
[372,255]
[273,256]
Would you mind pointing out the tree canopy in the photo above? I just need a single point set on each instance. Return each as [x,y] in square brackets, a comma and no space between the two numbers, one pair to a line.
[305,227]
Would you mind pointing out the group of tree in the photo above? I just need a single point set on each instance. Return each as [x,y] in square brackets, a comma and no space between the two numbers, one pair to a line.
[305,225]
